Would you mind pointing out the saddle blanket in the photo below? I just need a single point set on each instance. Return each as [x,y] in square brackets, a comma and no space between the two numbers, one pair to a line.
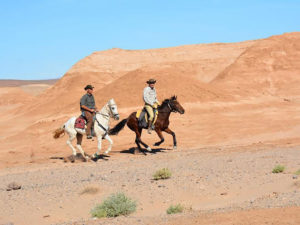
[80,122]
[142,117]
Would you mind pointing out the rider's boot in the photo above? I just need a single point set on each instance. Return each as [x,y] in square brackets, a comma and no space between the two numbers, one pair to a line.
[149,127]
[88,134]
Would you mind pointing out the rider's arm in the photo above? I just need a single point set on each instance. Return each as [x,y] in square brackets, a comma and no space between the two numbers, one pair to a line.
[146,96]
[156,101]
[88,109]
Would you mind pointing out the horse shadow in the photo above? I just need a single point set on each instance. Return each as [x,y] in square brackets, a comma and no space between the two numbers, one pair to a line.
[101,156]
[135,150]
[80,158]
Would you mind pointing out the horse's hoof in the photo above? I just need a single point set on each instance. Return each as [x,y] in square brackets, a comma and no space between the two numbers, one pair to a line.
[106,152]
[156,144]
[149,149]
[175,147]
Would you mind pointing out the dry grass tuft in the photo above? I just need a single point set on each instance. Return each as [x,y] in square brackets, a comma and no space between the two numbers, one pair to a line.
[91,190]
[278,169]
[173,209]
[164,173]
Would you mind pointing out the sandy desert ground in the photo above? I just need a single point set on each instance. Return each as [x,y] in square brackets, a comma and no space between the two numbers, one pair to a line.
[242,103]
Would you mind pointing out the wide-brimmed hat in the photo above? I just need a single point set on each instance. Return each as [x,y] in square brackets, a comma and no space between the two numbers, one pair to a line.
[151,81]
[88,87]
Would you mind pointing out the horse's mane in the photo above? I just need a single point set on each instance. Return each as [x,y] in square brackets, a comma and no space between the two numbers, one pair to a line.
[166,101]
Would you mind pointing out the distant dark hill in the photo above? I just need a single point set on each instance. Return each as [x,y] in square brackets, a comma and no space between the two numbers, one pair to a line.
[17,83]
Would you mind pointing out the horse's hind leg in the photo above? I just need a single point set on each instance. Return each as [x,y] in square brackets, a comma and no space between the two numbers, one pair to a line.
[138,140]
[79,140]
[138,143]
[158,131]
[69,142]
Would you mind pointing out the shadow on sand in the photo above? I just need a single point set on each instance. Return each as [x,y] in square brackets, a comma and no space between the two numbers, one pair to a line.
[135,150]
[80,158]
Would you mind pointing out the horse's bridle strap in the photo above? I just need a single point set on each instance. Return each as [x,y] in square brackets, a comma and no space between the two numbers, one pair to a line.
[172,110]
[100,125]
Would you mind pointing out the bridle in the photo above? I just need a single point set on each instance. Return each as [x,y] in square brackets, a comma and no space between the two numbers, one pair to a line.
[171,107]
[110,112]
[110,106]
[107,117]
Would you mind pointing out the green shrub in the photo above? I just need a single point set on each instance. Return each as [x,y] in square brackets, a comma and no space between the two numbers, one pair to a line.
[278,169]
[175,209]
[115,205]
[164,173]
[297,172]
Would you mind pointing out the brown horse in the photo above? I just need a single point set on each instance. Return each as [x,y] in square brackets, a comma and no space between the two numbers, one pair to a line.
[161,124]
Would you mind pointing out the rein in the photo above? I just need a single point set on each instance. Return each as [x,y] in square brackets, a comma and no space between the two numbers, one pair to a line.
[100,125]
[107,117]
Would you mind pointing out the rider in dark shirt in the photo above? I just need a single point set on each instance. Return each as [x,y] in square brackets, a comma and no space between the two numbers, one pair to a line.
[88,108]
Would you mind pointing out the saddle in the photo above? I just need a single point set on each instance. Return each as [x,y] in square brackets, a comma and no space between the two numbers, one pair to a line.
[143,116]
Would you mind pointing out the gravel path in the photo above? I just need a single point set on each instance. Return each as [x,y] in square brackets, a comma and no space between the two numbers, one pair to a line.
[206,180]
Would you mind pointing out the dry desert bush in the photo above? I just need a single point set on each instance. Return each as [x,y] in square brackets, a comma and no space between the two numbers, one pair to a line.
[115,205]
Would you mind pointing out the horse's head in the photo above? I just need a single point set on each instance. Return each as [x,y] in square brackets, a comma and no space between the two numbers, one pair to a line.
[113,109]
[174,105]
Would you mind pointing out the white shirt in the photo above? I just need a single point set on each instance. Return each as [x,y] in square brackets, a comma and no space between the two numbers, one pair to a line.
[149,95]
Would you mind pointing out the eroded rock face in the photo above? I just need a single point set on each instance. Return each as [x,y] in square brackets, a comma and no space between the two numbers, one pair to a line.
[269,67]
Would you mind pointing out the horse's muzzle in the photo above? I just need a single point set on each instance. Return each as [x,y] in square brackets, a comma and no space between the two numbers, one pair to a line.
[117,117]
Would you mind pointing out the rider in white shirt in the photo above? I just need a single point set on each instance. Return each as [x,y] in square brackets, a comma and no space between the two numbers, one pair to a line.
[151,102]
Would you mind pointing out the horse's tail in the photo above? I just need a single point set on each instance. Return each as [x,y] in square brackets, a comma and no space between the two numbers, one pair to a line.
[118,127]
[58,132]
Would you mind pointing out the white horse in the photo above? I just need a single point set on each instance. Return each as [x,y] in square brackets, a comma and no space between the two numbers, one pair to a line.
[101,126]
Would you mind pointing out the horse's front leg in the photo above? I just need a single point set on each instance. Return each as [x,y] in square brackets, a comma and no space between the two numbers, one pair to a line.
[169,131]
[99,138]
[110,144]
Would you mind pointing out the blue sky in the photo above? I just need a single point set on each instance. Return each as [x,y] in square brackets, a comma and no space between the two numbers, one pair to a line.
[42,39]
